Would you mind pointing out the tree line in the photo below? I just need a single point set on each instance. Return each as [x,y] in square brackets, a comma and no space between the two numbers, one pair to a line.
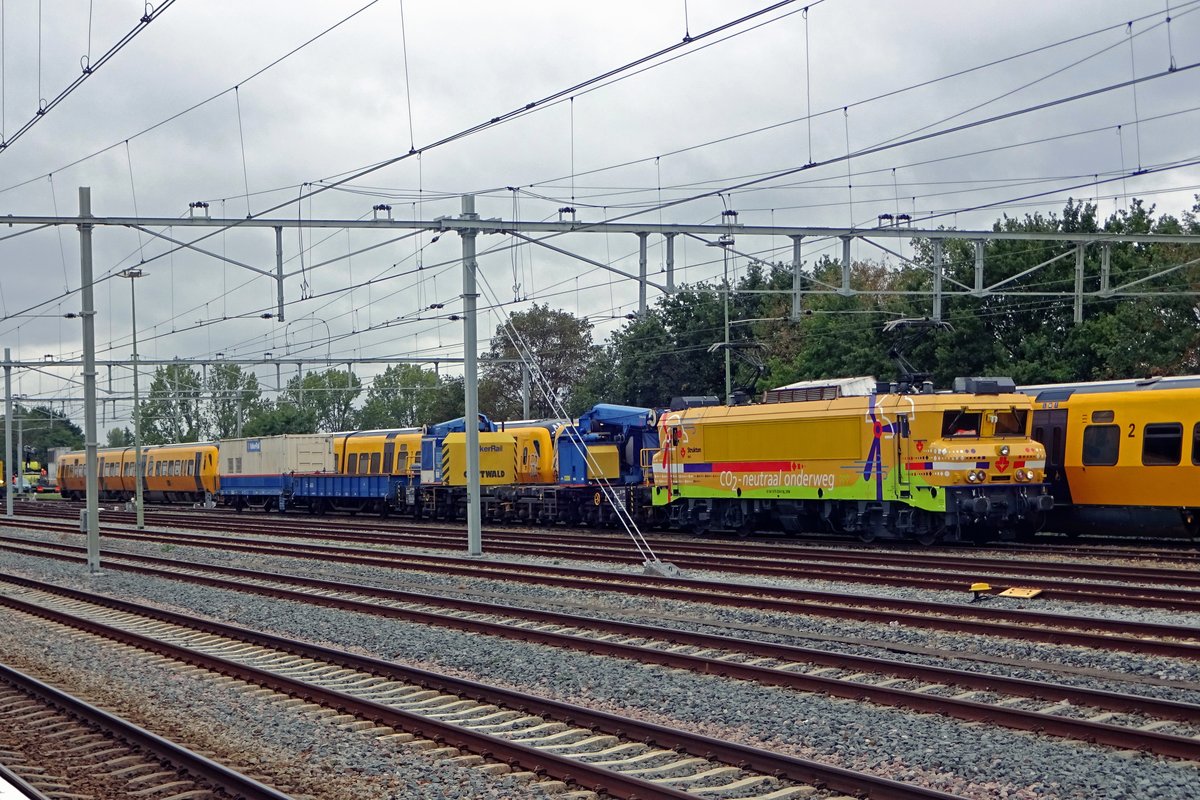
[667,351]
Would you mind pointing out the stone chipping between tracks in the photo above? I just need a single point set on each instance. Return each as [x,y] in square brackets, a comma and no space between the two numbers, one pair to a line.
[973,760]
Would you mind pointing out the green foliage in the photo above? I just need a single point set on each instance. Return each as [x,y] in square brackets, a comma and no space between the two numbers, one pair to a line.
[280,418]
[233,397]
[404,396]
[560,345]
[446,401]
[172,412]
[327,396]
[1034,339]
[42,429]
[119,437]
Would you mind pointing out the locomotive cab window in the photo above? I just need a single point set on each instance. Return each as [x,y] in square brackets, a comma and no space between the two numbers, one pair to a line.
[1162,444]
[1012,422]
[960,423]
[1101,445]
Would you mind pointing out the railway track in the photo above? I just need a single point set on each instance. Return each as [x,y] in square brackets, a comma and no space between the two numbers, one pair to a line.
[1177,641]
[1133,549]
[1143,587]
[62,747]
[620,756]
[1121,720]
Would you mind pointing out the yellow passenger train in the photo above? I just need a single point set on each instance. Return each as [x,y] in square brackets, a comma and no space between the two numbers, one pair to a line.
[174,473]
[1123,457]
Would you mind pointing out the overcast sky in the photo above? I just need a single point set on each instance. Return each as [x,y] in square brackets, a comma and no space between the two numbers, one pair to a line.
[399,76]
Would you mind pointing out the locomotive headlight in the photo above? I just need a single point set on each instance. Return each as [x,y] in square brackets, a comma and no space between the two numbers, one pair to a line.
[1003,449]
[1021,475]
[981,476]
[973,477]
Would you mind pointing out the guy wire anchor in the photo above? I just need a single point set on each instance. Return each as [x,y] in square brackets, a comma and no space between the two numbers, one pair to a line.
[663,569]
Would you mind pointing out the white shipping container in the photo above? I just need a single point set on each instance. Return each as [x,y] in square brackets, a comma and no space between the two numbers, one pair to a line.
[275,455]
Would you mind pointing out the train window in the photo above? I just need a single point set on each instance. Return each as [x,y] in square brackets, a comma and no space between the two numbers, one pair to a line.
[960,423]
[374,463]
[1012,422]
[1162,444]
[191,467]
[1103,416]
[351,464]
[1196,443]
[1101,445]
[363,462]
[238,463]
[230,469]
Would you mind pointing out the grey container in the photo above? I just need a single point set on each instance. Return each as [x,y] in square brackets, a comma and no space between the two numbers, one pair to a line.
[274,455]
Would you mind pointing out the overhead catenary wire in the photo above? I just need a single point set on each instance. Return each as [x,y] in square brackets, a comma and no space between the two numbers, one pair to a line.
[89,69]
[202,103]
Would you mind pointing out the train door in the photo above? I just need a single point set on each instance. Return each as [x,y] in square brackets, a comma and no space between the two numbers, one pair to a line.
[904,455]
[389,455]
[198,474]
[1050,428]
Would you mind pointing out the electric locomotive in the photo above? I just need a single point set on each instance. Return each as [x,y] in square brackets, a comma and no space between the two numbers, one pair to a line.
[857,457]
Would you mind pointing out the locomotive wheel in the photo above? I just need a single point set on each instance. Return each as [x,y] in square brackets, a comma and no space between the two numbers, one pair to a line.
[867,535]
[927,538]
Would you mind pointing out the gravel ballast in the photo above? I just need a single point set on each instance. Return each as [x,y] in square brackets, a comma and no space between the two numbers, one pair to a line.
[974,760]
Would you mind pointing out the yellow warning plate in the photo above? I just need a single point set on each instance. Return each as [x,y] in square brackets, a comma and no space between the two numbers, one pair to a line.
[1020,591]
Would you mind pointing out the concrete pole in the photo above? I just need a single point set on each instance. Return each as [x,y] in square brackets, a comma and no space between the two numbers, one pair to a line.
[470,379]
[670,237]
[20,450]
[1078,283]
[797,305]
[88,313]
[8,414]
[1105,267]
[728,360]
[642,273]
[525,390]
[279,273]
[937,279]
[845,290]
[137,417]
[979,247]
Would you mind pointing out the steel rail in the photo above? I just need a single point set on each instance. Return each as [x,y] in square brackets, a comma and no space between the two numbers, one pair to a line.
[541,761]
[760,561]
[19,785]
[206,769]
[1084,730]
[1025,625]
[753,547]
